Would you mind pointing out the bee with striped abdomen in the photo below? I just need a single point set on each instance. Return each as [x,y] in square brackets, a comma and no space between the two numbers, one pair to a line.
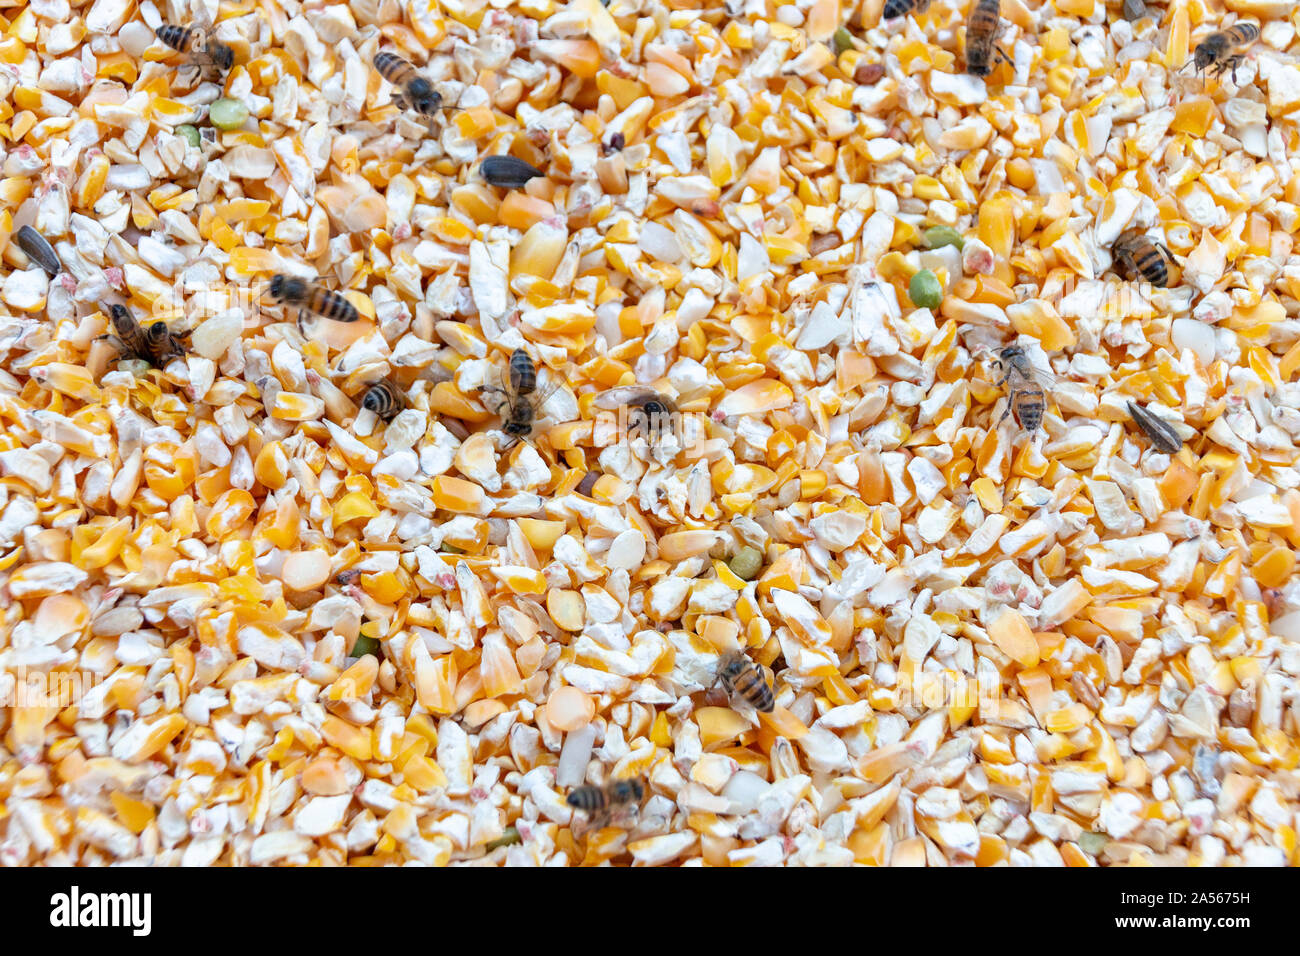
[1028,398]
[1223,51]
[312,297]
[1162,434]
[742,677]
[1139,255]
[384,399]
[600,802]
[523,372]
[982,29]
[652,411]
[520,403]
[207,54]
[417,92]
[901,8]
[156,345]
[164,344]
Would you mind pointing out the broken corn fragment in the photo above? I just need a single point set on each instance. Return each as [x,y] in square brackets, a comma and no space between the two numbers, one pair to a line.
[1012,634]
[457,494]
[719,725]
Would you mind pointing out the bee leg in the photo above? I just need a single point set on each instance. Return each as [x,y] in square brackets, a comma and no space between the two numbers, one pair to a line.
[400,102]
[1003,379]
[492,388]
[1165,249]
[114,341]
[997,50]
[592,823]
[1231,65]
[626,817]
[1006,412]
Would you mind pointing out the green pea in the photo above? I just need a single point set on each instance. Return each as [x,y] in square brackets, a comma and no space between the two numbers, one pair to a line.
[746,563]
[843,40]
[451,549]
[938,236]
[364,646]
[190,133]
[508,838]
[1093,843]
[924,290]
[226,113]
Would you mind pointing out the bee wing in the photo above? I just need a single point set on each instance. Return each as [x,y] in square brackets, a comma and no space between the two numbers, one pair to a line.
[541,398]
[626,395]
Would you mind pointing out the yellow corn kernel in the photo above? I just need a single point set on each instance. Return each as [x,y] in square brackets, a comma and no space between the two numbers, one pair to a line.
[1011,633]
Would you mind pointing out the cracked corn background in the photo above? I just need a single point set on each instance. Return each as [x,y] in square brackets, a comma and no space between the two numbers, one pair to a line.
[211,541]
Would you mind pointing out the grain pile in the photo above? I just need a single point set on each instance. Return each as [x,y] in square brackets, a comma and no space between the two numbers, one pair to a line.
[986,645]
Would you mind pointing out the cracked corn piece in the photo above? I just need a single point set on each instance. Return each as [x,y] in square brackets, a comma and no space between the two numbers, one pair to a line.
[985,647]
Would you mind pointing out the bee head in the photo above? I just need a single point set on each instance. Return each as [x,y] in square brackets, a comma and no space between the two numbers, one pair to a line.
[1204,56]
[1010,352]
[632,789]
[732,664]
[424,98]
[286,288]
[157,331]
[517,429]
[224,56]
[373,400]
[977,64]
[121,318]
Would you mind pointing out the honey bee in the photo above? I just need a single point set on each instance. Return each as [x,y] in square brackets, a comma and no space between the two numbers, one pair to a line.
[417,92]
[207,54]
[312,297]
[1027,398]
[901,8]
[982,29]
[1139,255]
[1223,51]
[741,676]
[652,411]
[156,345]
[523,373]
[520,403]
[384,399]
[599,802]
[164,344]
